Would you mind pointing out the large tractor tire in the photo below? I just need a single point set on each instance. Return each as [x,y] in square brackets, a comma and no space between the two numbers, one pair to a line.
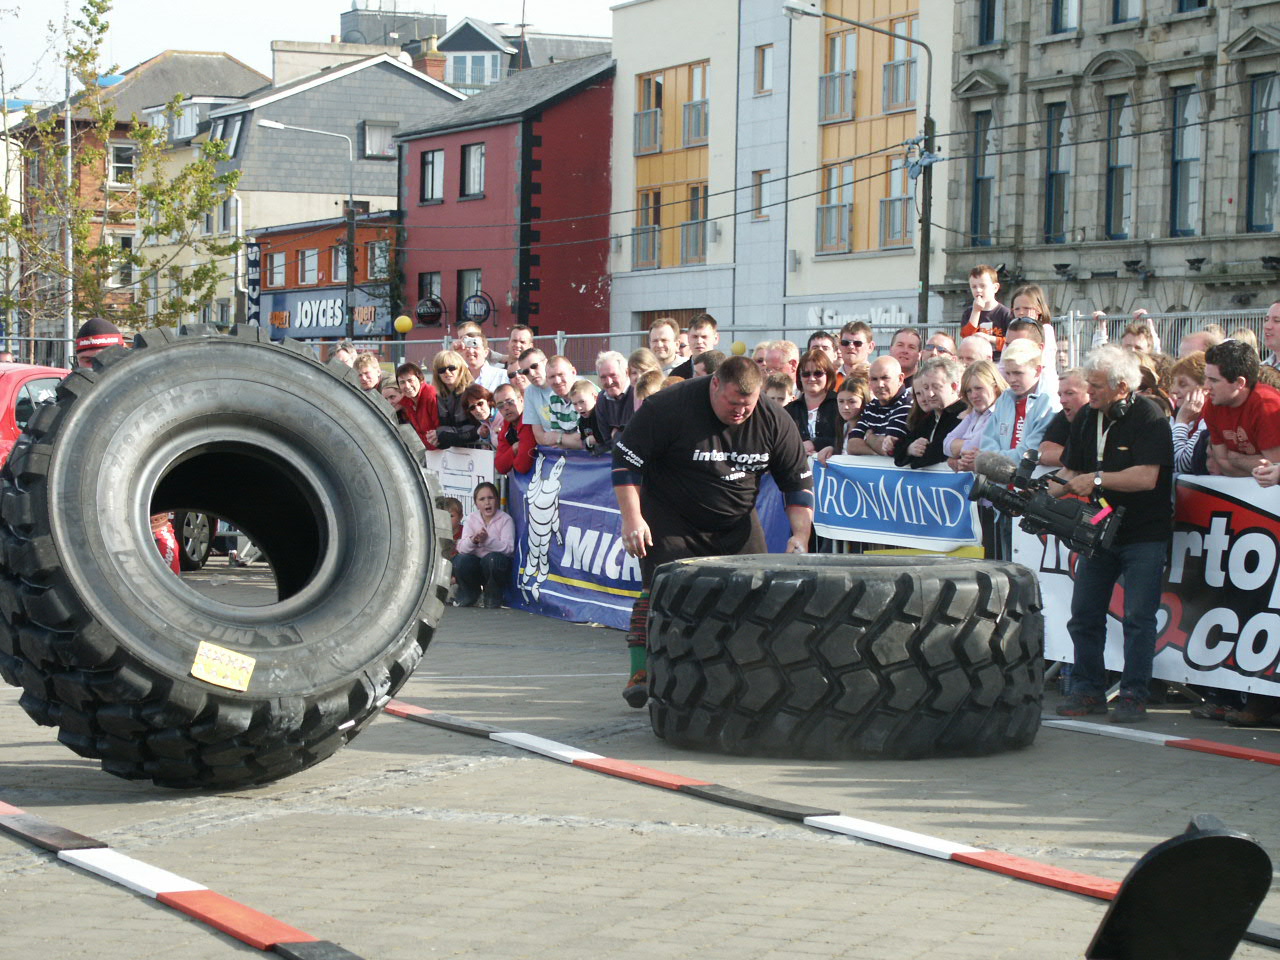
[134,666]
[832,657]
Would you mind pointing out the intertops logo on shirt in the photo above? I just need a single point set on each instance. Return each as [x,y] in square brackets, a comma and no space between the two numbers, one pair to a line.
[748,461]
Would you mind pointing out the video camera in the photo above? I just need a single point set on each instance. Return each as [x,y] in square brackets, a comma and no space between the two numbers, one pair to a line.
[1084,527]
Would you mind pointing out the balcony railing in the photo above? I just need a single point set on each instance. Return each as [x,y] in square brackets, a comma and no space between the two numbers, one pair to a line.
[648,134]
[835,97]
[899,85]
[695,123]
[835,227]
[646,248]
[693,241]
[896,228]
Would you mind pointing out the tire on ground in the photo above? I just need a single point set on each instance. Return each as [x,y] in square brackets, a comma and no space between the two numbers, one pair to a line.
[103,637]
[831,657]
[195,538]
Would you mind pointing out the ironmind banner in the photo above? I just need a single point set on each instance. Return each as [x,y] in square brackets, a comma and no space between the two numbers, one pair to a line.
[570,562]
[871,500]
[1219,620]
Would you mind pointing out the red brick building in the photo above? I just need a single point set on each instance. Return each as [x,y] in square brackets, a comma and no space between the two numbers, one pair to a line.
[506,202]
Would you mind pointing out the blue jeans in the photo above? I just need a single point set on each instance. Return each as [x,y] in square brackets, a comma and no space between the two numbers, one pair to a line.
[492,571]
[1142,567]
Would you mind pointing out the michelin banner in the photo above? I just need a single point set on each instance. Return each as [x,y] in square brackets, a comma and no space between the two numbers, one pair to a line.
[1219,620]
[570,562]
[871,500]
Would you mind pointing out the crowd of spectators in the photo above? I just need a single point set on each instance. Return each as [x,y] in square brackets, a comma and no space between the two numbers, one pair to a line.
[996,382]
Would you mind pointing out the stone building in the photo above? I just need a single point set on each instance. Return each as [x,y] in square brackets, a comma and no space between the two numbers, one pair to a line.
[1122,154]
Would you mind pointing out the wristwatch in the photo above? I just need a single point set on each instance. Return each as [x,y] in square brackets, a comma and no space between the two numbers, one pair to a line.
[1097,480]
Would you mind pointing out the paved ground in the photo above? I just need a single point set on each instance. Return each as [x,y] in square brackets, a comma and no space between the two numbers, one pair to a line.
[416,842]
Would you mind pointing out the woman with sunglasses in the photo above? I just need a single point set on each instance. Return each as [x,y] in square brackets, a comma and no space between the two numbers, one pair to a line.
[816,412]
[480,408]
[451,379]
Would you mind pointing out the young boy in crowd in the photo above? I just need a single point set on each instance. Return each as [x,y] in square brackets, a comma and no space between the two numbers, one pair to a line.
[986,317]
[779,388]
[650,382]
[583,397]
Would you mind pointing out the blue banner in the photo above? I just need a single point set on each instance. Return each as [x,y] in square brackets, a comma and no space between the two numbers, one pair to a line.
[871,500]
[570,561]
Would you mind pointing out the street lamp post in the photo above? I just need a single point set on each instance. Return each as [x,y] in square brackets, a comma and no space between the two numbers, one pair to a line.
[795,9]
[351,211]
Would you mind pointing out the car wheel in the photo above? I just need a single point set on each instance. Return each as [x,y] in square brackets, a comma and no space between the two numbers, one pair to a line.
[195,538]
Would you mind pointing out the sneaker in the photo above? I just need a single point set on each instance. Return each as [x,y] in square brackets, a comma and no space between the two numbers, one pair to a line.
[1081,705]
[1129,710]
[636,692]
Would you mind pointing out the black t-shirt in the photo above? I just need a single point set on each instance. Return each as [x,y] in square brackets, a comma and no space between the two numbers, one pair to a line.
[1142,436]
[700,470]
[1058,430]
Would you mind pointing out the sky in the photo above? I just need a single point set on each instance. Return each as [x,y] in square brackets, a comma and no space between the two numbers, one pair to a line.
[244,28]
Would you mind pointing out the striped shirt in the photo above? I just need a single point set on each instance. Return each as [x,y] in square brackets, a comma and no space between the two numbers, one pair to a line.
[884,419]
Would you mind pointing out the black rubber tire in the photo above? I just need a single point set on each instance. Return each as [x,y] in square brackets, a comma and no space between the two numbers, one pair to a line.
[194,531]
[101,635]
[839,657]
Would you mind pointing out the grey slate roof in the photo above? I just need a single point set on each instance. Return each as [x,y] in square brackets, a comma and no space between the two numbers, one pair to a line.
[543,48]
[188,72]
[520,93]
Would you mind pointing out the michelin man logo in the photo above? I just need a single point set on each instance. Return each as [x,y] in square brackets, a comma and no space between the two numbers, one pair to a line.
[542,508]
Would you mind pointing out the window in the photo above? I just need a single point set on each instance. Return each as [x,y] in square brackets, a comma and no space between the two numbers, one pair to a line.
[648,117]
[473,170]
[428,285]
[1057,173]
[1119,168]
[764,68]
[1264,152]
[1122,11]
[900,72]
[122,158]
[226,216]
[32,394]
[693,232]
[1186,6]
[308,266]
[378,144]
[338,270]
[468,286]
[184,127]
[695,110]
[835,86]
[275,269]
[206,223]
[233,135]
[224,312]
[982,181]
[378,257]
[1064,16]
[896,226]
[122,276]
[990,22]
[459,75]
[1184,180]
[760,195]
[646,237]
[216,128]
[432,177]
[835,213]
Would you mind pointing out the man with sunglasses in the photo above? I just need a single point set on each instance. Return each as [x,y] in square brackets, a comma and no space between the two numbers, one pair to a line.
[856,346]
[939,345]
[517,445]
[537,395]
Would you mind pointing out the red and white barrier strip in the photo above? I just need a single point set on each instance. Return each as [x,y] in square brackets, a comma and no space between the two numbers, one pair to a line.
[992,860]
[1165,740]
[194,899]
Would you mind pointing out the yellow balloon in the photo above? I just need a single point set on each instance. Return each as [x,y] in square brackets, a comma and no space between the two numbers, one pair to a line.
[403,324]
[738,348]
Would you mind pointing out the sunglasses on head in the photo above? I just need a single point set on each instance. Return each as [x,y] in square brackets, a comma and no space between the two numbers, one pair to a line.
[449,369]
[856,344]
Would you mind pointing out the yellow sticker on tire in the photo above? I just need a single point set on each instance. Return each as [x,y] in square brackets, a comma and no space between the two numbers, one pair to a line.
[222,667]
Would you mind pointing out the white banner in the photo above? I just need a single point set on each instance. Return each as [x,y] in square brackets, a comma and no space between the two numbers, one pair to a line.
[459,469]
[1219,620]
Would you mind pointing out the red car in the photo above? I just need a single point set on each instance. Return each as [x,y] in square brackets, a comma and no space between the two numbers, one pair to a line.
[22,387]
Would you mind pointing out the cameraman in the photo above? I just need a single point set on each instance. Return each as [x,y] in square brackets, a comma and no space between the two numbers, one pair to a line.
[1120,449]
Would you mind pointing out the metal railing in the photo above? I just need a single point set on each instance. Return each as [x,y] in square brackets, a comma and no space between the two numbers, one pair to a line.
[693,241]
[835,97]
[648,132]
[646,247]
[896,226]
[696,122]
[835,223]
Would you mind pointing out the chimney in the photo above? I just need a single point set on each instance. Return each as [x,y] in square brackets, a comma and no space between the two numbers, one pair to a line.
[431,61]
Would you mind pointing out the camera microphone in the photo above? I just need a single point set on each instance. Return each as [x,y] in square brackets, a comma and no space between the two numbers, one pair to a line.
[994,466]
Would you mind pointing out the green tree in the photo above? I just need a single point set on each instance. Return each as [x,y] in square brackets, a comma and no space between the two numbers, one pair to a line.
[123,183]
